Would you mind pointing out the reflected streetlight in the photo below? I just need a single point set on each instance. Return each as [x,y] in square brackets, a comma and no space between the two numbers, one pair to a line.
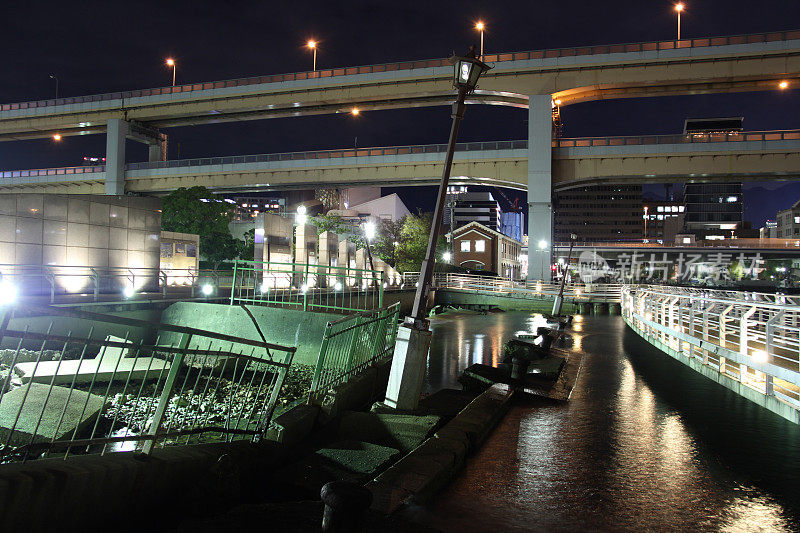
[480,26]
[171,63]
[313,46]
[679,9]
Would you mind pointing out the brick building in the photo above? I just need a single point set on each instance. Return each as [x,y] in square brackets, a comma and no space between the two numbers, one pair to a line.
[480,248]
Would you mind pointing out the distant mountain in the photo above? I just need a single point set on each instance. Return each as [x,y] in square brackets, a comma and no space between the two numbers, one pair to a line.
[763,201]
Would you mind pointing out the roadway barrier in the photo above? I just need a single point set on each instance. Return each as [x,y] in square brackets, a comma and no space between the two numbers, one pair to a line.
[426,63]
[66,395]
[749,342]
[353,343]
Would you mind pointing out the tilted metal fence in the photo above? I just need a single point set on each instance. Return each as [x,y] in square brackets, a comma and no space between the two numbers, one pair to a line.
[307,286]
[753,338]
[353,343]
[76,382]
[529,289]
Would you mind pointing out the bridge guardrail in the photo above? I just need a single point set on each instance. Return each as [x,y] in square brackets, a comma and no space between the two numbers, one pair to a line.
[715,243]
[67,390]
[408,65]
[752,338]
[576,292]
[352,343]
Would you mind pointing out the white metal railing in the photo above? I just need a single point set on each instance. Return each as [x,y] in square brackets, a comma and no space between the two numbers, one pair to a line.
[753,338]
[575,292]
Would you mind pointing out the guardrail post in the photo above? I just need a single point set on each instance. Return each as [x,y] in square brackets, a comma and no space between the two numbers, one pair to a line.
[233,282]
[323,352]
[351,349]
[163,401]
[305,292]
[769,385]
[96,283]
[380,291]
[722,334]
[163,276]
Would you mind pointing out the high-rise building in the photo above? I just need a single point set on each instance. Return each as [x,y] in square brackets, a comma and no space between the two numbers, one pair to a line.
[712,209]
[469,207]
[599,213]
[788,222]
[664,219]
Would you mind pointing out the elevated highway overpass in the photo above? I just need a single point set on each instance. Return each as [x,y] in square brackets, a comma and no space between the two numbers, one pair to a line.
[772,155]
[533,79]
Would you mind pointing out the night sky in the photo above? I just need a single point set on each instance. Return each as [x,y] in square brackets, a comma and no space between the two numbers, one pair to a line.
[95,47]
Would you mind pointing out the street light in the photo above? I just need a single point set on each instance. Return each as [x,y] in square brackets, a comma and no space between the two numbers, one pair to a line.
[313,46]
[355,111]
[679,9]
[480,27]
[171,63]
[57,137]
[447,256]
[411,351]
[645,222]
[370,230]
[783,84]
[54,77]
[301,216]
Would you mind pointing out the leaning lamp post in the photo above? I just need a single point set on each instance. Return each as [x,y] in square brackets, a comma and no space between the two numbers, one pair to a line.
[413,338]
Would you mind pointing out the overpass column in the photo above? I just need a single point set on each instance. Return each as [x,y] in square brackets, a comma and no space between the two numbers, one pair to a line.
[116,134]
[540,211]
[157,151]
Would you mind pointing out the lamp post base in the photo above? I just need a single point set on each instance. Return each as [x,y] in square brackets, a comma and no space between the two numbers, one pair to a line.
[408,368]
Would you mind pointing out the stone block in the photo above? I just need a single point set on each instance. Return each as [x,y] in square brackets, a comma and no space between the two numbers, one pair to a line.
[42,401]
[404,432]
[294,425]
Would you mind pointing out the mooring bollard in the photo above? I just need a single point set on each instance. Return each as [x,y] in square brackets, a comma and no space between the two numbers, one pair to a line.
[345,504]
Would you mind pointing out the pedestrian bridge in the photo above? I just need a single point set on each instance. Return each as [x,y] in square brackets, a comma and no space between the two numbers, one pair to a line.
[689,66]
[768,155]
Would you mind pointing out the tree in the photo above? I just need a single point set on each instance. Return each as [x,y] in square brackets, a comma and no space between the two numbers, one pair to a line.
[199,211]
[414,242]
[332,223]
[389,233]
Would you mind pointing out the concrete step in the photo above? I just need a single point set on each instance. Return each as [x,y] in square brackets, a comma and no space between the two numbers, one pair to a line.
[400,431]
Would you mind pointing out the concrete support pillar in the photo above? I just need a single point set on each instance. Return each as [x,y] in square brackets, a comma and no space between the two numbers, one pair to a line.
[116,134]
[155,152]
[540,162]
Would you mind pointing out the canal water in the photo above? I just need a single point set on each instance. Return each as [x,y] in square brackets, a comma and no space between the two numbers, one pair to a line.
[644,444]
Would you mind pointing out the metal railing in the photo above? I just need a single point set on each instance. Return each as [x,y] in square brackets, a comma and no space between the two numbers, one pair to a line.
[410,65]
[753,338]
[65,282]
[307,286]
[353,343]
[714,243]
[777,135]
[531,290]
[94,383]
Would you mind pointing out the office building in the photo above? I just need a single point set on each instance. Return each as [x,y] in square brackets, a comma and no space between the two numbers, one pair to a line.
[599,213]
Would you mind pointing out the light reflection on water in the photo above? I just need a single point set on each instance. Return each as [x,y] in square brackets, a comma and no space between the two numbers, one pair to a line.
[645,443]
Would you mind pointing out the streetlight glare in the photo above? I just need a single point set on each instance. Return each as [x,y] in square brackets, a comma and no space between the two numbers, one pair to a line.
[679,7]
[784,84]
[557,101]
[301,210]
[170,62]
[370,229]
[479,26]
[446,256]
[57,137]
[542,244]
[312,44]
[355,111]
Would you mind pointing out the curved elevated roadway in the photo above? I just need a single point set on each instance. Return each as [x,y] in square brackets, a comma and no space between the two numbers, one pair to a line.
[772,155]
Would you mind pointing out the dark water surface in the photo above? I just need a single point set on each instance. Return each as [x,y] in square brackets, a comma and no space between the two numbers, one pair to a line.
[644,444]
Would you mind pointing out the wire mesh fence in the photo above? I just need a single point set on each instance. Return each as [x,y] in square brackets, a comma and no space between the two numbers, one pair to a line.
[75,382]
[353,343]
[307,286]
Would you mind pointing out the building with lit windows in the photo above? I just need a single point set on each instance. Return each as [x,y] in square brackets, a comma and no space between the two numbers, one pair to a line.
[788,222]
[664,219]
[480,248]
[712,210]
[247,208]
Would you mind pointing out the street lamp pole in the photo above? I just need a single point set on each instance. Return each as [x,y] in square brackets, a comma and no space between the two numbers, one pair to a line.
[313,45]
[171,63]
[645,223]
[413,339]
[54,77]
[480,27]
[679,8]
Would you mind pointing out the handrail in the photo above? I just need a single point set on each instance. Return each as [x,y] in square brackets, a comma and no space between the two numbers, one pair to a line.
[641,140]
[646,46]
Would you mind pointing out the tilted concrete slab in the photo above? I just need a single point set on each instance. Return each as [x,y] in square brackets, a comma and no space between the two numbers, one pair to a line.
[41,414]
[109,364]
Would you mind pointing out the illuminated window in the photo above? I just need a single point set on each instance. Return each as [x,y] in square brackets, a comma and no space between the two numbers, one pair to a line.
[465,246]
[661,209]
[797,220]
[480,246]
